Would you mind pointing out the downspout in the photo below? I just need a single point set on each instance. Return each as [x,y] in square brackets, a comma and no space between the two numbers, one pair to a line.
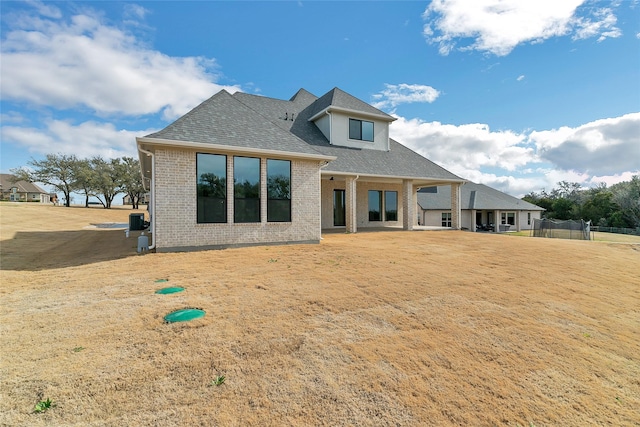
[152,214]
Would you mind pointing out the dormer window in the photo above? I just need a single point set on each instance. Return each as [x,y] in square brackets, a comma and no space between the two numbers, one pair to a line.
[361,130]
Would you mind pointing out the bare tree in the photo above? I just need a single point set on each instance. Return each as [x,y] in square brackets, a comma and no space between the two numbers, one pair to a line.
[56,170]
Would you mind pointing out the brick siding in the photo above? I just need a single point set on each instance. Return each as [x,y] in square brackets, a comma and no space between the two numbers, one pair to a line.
[176,226]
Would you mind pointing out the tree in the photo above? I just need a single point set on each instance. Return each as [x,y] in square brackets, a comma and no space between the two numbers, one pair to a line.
[131,180]
[541,199]
[627,196]
[598,206]
[84,176]
[563,209]
[567,190]
[105,181]
[56,170]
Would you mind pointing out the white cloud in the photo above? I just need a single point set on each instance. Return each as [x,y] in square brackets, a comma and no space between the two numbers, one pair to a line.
[84,62]
[403,93]
[472,145]
[498,26]
[605,147]
[47,10]
[520,78]
[135,11]
[85,140]
[604,24]
[606,150]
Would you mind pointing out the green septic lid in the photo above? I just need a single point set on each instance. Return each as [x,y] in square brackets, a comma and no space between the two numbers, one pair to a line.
[170,290]
[184,315]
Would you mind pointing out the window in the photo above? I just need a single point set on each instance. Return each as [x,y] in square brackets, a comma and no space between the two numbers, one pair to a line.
[509,218]
[278,190]
[211,170]
[446,219]
[375,205]
[528,218]
[246,189]
[339,208]
[360,129]
[390,205]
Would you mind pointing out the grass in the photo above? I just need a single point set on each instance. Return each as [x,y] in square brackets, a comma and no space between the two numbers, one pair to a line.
[597,236]
[218,381]
[380,328]
[43,406]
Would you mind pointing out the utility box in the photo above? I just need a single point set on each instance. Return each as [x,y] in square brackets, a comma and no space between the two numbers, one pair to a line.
[136,221]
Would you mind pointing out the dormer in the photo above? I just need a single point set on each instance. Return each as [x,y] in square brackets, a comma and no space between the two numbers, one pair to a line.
[348,122]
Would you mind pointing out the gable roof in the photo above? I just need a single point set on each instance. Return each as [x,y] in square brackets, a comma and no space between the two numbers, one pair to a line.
[339,100]
[22,186]
[473,196]
[398,161]
[223,121]
[268,124]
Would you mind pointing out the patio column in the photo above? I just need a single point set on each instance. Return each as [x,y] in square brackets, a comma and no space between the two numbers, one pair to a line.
[473,220]
[517,220]
[456,212]
[350,205]
[409,204]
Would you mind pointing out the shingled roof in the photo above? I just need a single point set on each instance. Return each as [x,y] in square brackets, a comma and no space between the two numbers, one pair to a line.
[223,120]
[6,185]
[341,100]
[252,121]
[473,196]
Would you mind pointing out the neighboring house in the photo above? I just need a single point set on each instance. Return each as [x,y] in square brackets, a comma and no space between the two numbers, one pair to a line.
[482,208]
[245,169]
[21,191]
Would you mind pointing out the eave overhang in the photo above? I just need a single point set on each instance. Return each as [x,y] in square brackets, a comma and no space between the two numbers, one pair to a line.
[364,114]
[417,181]
[150,144]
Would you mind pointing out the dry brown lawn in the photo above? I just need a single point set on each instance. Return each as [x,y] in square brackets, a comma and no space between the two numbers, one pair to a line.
[369,329]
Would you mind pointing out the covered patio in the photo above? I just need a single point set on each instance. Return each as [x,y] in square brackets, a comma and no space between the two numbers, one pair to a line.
[352,202]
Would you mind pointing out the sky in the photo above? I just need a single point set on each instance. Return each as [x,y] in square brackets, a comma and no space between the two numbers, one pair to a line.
[515,94]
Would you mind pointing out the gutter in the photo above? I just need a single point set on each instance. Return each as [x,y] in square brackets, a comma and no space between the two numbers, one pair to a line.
[208,147]
[432,181]
[349,111]
[152,212]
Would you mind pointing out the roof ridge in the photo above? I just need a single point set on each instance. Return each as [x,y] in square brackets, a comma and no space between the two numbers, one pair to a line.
[301,91]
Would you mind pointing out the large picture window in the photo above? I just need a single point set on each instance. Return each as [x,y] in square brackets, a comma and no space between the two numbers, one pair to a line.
[390,205]
[383,212]
[211,170]
[246,189]
[278,190]
[360,129]
[375,205]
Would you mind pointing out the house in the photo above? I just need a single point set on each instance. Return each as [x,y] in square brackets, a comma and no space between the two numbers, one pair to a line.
[482,207]
[243,169]
[21,191]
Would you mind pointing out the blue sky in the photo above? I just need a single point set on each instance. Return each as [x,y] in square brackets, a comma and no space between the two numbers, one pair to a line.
[515,94]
